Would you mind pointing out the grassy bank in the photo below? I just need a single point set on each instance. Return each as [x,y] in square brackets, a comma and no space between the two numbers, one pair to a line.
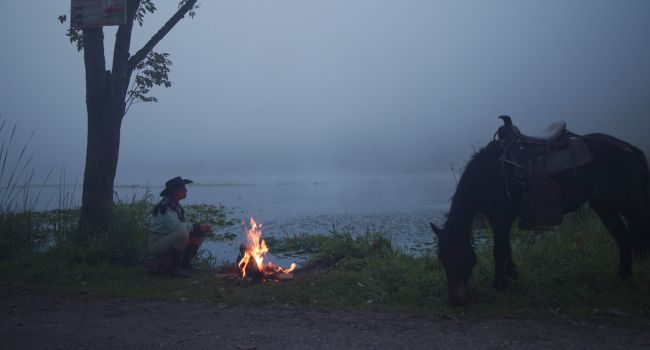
[569,271]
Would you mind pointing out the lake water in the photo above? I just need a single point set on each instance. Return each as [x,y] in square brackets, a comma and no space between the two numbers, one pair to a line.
[400,206]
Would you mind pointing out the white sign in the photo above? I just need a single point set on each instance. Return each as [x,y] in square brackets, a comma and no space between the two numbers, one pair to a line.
[97,13]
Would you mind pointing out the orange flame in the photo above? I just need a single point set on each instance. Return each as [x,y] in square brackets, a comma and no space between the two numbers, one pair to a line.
[255,251]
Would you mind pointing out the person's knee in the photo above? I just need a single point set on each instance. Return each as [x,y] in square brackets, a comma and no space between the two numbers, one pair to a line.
[182,238]
[197,241]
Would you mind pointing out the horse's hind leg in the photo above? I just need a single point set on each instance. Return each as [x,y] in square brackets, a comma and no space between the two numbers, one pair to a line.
[638,225]
[612,220]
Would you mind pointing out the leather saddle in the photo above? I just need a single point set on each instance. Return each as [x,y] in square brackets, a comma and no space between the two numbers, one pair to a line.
[551,134]
[529,161]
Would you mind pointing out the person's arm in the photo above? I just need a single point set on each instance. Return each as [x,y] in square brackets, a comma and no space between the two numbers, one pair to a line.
[200,230]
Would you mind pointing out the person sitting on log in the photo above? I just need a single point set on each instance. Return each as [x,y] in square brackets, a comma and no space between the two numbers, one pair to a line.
[173,243]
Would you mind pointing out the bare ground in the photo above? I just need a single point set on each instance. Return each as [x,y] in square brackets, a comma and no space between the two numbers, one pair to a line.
[37,322]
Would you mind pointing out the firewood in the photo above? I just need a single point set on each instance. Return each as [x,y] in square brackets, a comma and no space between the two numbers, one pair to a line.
[283,276]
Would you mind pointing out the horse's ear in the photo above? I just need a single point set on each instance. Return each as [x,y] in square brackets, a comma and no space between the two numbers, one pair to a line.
[435,229]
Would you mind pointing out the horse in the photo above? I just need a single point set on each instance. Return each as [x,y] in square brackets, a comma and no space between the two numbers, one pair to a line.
[615,185]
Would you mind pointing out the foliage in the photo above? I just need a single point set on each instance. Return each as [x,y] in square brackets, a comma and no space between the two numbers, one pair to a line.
[27,232]
[76,37]
[17,234]
[192,11]
[299,244]
[154,70]
[214,215]
[340,247]
[33,232]
[145,6]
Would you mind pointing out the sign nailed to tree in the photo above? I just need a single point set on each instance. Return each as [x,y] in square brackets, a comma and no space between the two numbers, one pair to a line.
[97,13]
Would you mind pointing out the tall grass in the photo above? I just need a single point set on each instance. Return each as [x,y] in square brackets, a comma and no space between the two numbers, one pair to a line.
[26,231]
[20,230]
[17,178]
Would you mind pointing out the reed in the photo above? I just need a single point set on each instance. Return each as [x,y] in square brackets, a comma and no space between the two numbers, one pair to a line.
[19,228]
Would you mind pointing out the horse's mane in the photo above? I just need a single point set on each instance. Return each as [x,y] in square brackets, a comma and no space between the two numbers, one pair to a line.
[470,189]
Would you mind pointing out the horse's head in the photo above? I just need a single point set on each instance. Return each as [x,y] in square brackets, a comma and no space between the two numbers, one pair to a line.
[458,258]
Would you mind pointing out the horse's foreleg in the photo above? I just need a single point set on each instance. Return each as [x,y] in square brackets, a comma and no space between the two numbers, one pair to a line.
[500,261]
[511,269]
[614,223]
[504,267]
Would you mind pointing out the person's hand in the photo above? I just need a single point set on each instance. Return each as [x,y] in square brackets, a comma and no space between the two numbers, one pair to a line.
[205,228]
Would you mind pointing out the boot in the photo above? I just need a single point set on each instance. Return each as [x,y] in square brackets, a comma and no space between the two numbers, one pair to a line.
[175,265]
[157,264]
[188,257]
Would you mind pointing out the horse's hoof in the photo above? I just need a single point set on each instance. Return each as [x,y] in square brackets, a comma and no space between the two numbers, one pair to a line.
[500,286]
[513,275]
[624,275]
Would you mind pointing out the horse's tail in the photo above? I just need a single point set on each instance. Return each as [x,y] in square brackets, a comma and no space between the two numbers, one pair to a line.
[643,163]
[643,233]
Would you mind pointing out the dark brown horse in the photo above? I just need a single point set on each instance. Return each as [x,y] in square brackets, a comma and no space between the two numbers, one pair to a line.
[615,185]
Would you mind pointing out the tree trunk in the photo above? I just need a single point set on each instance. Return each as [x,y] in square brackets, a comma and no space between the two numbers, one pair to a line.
[103,139]
[105,96]
[106,102]
[102,153]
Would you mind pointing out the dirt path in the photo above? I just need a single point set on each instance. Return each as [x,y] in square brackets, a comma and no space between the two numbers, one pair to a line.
[29,322]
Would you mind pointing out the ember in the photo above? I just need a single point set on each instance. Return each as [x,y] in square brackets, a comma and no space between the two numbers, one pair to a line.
[251,260]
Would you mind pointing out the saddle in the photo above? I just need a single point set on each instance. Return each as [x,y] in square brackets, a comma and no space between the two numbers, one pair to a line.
[529,161]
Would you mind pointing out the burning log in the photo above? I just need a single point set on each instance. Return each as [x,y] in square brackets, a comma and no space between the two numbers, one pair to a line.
[251,258]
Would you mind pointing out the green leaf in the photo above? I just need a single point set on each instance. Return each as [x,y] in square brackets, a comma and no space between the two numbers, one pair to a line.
[152,71]
[76,37]
[146,6]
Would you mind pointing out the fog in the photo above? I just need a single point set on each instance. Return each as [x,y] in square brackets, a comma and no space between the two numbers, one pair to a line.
[309,88]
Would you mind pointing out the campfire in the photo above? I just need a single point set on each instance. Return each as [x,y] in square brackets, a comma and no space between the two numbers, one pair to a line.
[251,259]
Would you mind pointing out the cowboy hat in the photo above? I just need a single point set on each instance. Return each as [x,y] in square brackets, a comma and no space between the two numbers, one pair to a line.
[173,184]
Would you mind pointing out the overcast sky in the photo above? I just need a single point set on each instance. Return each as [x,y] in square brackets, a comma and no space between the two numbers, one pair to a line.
[313,86]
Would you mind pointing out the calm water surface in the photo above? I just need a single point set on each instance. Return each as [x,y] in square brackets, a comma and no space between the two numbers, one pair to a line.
[400,206]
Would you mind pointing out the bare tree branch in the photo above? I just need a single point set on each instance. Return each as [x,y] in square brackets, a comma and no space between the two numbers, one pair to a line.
[121,51]
[155,39]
